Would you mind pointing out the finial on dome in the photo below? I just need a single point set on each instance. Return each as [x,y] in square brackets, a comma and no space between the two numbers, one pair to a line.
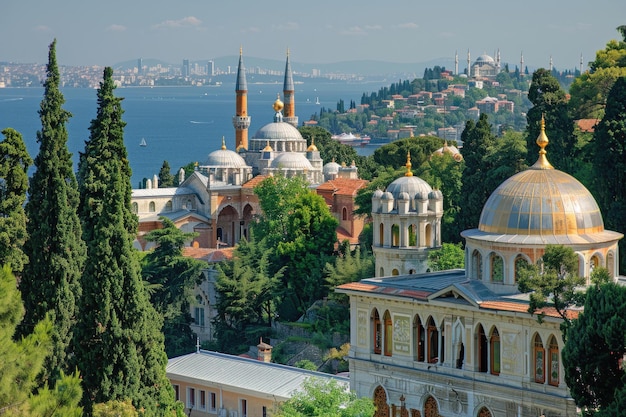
[408,172]
[278,104]
[223,143]
[240,50]
[542,141]
[312,147]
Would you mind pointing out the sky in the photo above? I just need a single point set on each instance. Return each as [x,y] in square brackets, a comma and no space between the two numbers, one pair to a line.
[107,32]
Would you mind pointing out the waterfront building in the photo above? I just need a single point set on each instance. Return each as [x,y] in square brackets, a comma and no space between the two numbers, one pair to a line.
[461,342]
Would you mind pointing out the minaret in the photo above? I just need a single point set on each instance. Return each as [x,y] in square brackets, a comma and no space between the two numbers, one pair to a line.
[498,62]
[289,112]
[581,63]
[469,71]
[241,120]
[456,63]
[550,63]
[521,64]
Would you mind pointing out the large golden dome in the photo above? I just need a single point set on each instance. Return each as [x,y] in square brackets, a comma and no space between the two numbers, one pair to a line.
[541,201]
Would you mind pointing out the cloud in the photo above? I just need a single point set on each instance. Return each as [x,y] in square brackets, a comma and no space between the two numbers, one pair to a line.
[116,28]
[408,25]
[185,22]
[353,31]
[286,27]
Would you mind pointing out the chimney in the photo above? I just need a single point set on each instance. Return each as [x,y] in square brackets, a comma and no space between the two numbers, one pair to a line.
[264,351]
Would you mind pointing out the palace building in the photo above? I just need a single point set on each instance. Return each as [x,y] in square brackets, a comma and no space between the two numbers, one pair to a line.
[461,342]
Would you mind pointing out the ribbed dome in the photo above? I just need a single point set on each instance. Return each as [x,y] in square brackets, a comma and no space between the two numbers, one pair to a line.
[291,160]
[541,201]
[484,59]
[278,131]
[410,185]
[225,158]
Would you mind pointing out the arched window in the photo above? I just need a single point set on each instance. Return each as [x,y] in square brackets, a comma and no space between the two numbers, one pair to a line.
[494,351]
[553,362]
[497,267]
[610,264]
[377,337]
[418,338]
[168,205]
[380,401]
[344,214]
[412,235]
[539,360]
[151,207]
[520,264]
[135,208]
[428,235]
[432,340]
[395,272]
[477,265]
[482,349]
[395,235]
[388,336]
[381,272]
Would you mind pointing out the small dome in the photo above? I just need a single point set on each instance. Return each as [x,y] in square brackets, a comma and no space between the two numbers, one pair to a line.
[378,193]
[312,148]
[225,158]
[331,168]
[292,160]
[411,185]
[387,196]
[451,150]
[404,196]
[435,194]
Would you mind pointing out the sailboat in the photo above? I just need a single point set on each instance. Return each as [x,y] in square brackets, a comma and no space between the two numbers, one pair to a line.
[143,142]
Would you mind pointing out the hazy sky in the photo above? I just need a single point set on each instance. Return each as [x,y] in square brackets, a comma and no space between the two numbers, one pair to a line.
[106,32]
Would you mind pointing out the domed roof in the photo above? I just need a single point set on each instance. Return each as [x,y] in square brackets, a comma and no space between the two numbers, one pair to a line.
[278,131]
[541,201]
[409,184]
[225,158]
[331,167]
[485,59]
[450,149]
[291,160]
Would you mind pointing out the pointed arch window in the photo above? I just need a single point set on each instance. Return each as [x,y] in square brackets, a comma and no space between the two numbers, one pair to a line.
[539,360]
[395,235]
[344,214]
[377,337]
[419,338]
[494,350]
[151,207]
[553,362]
[432,340]
[477,265]
[497,268]
[482,349]
[520,264]
[388,335]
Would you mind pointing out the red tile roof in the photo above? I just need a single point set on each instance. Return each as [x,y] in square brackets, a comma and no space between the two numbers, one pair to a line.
[209,255]
[587,125]
[343,186]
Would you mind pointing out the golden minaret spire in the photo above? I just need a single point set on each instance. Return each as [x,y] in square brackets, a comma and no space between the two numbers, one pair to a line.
[542,141]
[408,165]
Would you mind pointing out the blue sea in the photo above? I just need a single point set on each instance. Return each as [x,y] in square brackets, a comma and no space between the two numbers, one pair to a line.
[179,124]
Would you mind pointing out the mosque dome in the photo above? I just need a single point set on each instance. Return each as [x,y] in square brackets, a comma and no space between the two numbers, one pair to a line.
[291,160]
[484,59]
[225,158]
[331,168]
[278,131]
[450,149]
[409,184]
[378,193]
[541,201]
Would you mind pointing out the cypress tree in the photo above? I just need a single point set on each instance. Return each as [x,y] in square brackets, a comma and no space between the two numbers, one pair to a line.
[478,142]
[50,282]
[14,164]
[118,339]
[609,165]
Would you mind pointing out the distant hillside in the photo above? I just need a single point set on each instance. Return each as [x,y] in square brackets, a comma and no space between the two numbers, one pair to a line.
[367,68]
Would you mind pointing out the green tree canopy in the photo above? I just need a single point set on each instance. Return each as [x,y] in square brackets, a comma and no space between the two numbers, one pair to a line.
[554,282]
[595,347]
[172,277]
[609,147]
[118,339]
[56,252]
[14,164]
[301,231]
[325,399]
[450,256]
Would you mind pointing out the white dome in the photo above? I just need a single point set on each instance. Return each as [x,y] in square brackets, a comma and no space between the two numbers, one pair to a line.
[331,168]
[410,185]
[225,158]
[278,131]
[291,160]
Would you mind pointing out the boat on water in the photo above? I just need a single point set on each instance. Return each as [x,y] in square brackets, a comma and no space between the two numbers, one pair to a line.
[351,139]
[143,142]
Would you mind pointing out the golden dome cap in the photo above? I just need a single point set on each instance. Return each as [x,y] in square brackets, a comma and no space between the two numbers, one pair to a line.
[541,201]
[278,104]
[312,147]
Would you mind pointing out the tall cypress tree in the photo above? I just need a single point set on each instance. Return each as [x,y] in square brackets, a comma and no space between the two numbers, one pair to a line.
[119,344]
[609,166]
[478,142]
[56,252]
[14,164]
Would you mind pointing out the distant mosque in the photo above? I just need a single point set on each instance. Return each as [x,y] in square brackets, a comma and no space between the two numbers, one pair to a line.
[217,201]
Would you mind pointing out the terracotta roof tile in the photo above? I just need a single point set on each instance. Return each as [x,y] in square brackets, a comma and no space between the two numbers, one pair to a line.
[254,181]
[343,186]
[587,125]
